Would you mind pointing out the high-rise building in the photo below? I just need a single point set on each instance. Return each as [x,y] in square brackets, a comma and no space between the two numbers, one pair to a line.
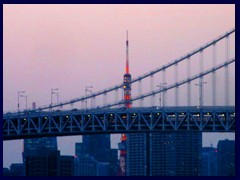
[136,157]
[31,145]
[226,157]
[49,163]
[17,169]
[209,161]
[113,162]
[42,163]
[96,149]
[103,169]
[98,146]
[66,166]
[6,172]
[81,149]
[42,158]
[164,154]
[86,165]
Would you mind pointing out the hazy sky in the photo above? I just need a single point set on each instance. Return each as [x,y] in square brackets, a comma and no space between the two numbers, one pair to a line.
[73,46]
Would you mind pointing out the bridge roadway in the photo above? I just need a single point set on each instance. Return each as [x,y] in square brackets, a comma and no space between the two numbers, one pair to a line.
[118,120]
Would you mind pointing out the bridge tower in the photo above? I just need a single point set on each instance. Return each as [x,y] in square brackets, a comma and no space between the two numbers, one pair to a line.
[127,104]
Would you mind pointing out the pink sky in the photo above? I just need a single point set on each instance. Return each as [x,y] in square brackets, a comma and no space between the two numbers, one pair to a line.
[72,46]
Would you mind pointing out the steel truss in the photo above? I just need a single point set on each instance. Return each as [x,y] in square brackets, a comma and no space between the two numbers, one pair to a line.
[134,120]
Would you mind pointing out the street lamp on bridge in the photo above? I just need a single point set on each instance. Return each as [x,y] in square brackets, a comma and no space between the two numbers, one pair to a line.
[53,91]
[19,93]
[25,96]
[200,93]
[161,86]
[88,89]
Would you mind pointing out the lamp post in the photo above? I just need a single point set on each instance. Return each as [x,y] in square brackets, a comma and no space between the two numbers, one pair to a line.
[88,89]
[91,98]
[161,86]
[19,93]
[25,96]
[53,92]
[200,93]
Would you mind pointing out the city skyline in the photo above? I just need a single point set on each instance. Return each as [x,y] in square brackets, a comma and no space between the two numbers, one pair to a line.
[59,39]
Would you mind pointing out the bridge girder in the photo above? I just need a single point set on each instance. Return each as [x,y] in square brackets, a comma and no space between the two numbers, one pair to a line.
[110,121]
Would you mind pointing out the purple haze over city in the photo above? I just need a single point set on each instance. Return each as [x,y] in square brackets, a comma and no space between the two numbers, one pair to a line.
[70,47]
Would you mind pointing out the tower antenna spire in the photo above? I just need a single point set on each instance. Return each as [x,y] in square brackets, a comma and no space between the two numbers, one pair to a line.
[127,61]
[127,104]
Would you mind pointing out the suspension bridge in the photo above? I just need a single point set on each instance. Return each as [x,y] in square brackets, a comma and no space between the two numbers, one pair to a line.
[114,117]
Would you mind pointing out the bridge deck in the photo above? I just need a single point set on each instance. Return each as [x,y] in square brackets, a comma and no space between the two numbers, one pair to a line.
[134,120]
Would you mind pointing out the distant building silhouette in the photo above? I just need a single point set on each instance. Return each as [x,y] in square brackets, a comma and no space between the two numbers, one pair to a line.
[209,161]
[98,146]
[49,163]
[42,158]
[17,169]
[66,166]
[164,154]
[95,152]
[31,146]
[87,165]
[6,172]
[226,157]
[80,149]
[103,169]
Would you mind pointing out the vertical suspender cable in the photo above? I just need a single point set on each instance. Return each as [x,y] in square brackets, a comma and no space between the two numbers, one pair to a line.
[140,92]
[189,82]
[214,89]
[105,99]
[177,88]
[226,73]
[201,98]
[151,89]
[164,99]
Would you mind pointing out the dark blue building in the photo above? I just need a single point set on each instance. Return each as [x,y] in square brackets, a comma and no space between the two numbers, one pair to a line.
[32,145]
[98,146]
[164,154]
[6,172]
[17,169]
[49,163]
[87,165]
[226,157]
[209,161]
[95,151]
[42,158]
